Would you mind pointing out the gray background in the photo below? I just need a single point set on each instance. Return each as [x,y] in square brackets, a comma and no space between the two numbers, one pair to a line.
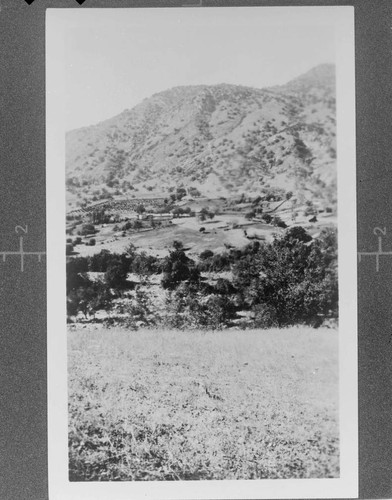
[23,408]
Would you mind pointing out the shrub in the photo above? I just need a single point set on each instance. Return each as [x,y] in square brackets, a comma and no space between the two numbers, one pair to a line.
[278,222]
[140,209]
[206,254]
[116,275]
[177,267]
[188,308]
[295,279]
[266,218]
[141,311]
[88,299]
[87,229]
[75,272]
[264,316]
[100,261]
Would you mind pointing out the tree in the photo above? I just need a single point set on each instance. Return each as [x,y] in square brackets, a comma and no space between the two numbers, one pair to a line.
[87,229]
[116,275]
[88,299]
[187,307]
[177,211]
[141,310]
[297,233]
[180,193]
[144,265]
[266,218]
[178,245]
[140,209]
[293,277]
[178,267]
[76,270]
[206,254]
[250,215]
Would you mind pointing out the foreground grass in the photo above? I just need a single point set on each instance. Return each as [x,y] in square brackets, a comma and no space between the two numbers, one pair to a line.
[167,405]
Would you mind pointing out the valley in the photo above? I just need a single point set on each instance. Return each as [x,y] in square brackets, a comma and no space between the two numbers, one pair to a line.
[211,194]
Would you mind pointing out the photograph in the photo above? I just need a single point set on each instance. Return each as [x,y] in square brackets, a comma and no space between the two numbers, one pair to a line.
[201,199]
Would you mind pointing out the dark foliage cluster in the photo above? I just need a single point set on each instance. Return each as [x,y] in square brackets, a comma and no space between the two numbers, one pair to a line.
[292,280]
[87,295]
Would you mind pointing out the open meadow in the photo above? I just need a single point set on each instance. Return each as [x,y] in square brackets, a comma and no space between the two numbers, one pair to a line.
[183,405]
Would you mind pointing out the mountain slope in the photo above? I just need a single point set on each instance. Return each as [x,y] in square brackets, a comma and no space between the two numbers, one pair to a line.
[221,139]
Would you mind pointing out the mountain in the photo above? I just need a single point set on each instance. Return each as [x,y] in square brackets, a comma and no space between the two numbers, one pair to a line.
[219,139]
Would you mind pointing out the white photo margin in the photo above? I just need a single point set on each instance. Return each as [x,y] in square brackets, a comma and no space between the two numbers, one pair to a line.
[342,19]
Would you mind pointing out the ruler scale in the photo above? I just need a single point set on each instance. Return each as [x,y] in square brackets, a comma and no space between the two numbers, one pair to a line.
[379,232]
[21,252]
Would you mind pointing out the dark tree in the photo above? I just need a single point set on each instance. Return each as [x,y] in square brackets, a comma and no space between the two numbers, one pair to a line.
[116,275]
[178,267]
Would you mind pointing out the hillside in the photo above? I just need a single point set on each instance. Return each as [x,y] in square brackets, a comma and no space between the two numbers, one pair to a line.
[221,140]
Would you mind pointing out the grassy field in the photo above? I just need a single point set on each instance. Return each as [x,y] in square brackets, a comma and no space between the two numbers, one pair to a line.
[174,405]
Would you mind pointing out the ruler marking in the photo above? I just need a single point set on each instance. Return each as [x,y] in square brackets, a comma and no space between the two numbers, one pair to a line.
[21,252]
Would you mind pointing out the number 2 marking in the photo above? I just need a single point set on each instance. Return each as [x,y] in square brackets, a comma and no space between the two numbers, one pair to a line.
[22,229]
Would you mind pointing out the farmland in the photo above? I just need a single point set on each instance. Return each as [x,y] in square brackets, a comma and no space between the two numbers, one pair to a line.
[226,229]
[179,405]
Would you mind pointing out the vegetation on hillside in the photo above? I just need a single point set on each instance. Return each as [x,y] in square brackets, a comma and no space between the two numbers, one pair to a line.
[216,139]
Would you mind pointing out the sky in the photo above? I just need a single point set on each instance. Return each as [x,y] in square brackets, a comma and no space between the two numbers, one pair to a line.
[114,58]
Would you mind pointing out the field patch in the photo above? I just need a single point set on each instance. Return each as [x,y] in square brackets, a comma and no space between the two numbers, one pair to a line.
[177,405]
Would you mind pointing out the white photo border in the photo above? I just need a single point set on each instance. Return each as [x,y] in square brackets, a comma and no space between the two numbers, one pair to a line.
[346,486]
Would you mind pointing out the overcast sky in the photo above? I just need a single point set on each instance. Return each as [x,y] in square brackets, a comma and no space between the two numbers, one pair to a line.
[114,58]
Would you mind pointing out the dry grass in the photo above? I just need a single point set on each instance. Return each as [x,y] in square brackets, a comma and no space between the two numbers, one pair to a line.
[167,405]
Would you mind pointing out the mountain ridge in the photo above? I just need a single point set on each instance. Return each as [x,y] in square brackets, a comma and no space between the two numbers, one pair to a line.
[217,139]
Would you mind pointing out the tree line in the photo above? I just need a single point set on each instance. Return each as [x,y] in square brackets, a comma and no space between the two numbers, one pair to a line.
[291,280]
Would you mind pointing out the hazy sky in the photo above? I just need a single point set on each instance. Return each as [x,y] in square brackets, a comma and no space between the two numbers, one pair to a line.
[114,58]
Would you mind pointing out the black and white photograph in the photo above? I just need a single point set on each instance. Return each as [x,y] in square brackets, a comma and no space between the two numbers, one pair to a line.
[201,252]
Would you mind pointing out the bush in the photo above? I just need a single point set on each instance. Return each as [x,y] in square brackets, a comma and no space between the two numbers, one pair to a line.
[278,222]
[264,316]
[177,267]
[206,254]
[92,242]
[266,218]
[101,261]
[116,275]
[141,311]
[295,279]
[188,308]
[87,229]
[76,269]
[88,299]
